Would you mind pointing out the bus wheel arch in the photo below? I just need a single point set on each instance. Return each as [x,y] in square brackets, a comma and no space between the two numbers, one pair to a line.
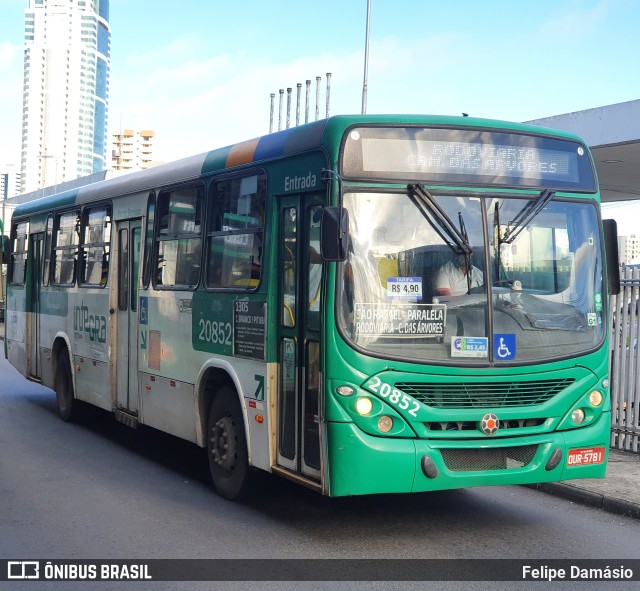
[211,380]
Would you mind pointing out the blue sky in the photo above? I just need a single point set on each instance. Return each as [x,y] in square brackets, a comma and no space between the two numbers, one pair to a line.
[200,72]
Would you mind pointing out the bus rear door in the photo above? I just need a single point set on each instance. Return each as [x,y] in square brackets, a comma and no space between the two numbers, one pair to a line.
[128,240]
[34,287]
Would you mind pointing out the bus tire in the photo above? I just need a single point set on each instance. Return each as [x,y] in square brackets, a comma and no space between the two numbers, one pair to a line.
[68,406]
[227,447]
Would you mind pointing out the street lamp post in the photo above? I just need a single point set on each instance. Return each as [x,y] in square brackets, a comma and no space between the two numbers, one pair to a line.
[366,60]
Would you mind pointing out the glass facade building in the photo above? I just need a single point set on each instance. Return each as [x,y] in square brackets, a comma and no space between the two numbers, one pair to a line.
[66,91]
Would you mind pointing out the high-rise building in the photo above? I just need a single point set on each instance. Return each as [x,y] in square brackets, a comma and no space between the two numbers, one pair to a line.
[628,249]
[132,150]
[9,182]
[66,90]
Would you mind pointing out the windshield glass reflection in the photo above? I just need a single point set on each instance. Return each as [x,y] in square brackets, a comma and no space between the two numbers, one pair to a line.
[410,291]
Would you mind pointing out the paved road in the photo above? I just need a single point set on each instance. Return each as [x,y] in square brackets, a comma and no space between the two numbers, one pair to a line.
[101,491]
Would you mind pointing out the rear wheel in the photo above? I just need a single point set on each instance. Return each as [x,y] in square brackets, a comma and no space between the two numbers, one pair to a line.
[69,408]
[227,447]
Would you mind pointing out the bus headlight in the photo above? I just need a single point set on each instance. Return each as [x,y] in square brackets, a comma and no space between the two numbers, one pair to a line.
[364,406]
[385,423]
[577,416]
[595,398]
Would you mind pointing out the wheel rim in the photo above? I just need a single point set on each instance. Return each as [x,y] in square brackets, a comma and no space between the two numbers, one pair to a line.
[223,444]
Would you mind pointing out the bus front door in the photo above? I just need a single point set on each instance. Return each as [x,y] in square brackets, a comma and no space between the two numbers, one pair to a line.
[33,298]
[300,281]
[128,242]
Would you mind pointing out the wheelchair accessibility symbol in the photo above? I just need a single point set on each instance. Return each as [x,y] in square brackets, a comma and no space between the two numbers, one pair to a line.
[504,346]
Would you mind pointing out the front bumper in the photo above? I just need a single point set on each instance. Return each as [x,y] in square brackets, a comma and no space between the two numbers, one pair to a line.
[362,464]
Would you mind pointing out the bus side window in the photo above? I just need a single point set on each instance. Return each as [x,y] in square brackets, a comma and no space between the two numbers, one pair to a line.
[96,240]
[18,259]
[179,237]
[148,241]
[235,234]
[65,248]
[46,271]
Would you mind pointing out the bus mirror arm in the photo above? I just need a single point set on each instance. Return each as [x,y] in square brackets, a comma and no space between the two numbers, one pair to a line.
[334,224]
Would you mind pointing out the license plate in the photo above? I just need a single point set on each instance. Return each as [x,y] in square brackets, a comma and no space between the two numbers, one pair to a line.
[585,455]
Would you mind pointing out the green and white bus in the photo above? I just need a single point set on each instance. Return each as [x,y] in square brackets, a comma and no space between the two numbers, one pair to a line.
[281,302]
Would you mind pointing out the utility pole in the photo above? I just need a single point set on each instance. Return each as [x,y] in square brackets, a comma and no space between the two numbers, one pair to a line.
[366,60]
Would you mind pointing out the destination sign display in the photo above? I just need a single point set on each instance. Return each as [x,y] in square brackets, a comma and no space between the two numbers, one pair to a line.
[470,157]
[400,320]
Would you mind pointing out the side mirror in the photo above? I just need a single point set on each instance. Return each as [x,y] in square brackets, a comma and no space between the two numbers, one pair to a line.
[334,234]
[611,252]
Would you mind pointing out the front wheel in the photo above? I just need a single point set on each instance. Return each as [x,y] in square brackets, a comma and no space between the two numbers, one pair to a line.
[227,447]
[69,408]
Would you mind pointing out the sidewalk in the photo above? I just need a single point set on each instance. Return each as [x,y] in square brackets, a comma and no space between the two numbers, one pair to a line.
[618,493]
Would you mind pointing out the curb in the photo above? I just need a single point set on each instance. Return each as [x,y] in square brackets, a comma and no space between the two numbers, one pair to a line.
[589,498]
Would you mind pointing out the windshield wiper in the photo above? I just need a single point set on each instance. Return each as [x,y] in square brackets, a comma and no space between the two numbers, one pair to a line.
[455,239]
[525,215]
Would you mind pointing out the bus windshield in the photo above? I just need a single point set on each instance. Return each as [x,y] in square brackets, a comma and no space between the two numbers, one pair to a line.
[524,292]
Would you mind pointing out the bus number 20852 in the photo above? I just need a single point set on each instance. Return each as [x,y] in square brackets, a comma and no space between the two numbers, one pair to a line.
[217,333]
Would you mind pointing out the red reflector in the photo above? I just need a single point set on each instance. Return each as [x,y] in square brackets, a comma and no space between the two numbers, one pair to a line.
[152,378]
[585,455]
[252,404]
[173,383]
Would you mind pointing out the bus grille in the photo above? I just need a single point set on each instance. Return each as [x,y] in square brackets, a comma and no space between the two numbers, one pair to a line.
[498,458]
[474,426]
[495,394]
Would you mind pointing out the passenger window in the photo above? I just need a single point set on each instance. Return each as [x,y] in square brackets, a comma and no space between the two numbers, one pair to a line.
[148,241]
[179,238]
[96,240]
[235,235]
[19,253]
[46,270]
[65,252]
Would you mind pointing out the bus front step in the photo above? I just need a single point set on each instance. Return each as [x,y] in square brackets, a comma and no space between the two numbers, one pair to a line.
[127,418]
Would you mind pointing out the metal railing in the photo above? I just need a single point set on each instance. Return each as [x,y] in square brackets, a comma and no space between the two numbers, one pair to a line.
[625,363]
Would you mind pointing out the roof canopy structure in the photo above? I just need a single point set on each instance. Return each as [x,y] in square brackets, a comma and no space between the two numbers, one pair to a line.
[613,134]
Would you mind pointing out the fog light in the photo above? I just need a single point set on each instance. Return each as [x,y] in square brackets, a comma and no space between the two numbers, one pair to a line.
[429,467]
[554,460]
[345,390]
[577,416]
[385,423]
[595,398]
[364,406]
